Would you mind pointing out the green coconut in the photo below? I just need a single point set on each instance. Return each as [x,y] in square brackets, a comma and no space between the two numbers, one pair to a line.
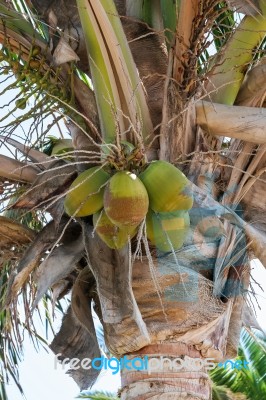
[167,231]
[112,235]
[126,200]
[85,195]
[184,199]
[165,183]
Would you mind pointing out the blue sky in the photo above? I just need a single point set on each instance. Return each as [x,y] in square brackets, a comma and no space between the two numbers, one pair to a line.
[41,381]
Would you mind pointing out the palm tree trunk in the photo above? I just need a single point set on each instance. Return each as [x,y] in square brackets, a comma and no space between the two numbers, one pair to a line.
[162,380]
[170,307]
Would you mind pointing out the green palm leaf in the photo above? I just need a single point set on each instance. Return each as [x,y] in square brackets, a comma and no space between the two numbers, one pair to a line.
[248,381]
[98,395]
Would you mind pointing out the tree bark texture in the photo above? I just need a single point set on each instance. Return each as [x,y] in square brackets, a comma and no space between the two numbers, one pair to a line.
[163,380]
[184,304]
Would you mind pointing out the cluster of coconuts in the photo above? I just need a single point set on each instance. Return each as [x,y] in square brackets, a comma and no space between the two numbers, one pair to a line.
[119,203]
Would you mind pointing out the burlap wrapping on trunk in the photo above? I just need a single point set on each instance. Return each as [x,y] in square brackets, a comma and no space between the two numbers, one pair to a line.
[187,295]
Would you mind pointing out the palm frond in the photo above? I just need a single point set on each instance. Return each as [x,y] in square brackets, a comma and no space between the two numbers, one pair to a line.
[98,395]
[249,380]
[238,51]
[113,72]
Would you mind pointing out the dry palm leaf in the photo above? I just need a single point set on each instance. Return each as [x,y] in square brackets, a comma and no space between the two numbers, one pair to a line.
[74,341]
[64,53]
[14,234]
[31,258]
[48,185]
[57,265]
[77,336]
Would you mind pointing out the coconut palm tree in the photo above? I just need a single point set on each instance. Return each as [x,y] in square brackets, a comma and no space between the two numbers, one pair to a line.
[136,81]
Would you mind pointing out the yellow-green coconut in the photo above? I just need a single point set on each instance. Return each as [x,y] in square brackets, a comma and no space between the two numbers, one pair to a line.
[167,187]
[126,200]
[112,235]
[184,200]
[167,231]
[85,195]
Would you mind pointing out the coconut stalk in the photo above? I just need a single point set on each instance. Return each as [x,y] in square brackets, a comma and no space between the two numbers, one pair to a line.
[106,91]
[35,156]
[226,77]
[244,123]
[15,170]
[169,15]
[114,73]
[132,87]
[187,11]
